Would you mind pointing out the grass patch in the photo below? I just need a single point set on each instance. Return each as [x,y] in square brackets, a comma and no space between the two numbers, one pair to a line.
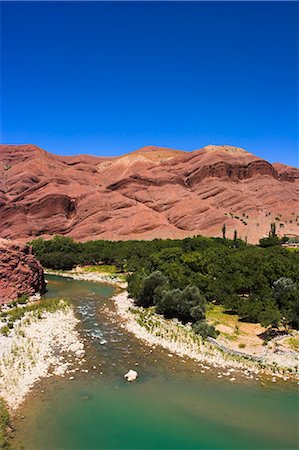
[102,268]
[294,343]
[49,305]
[4,424]
[4,330]
[20,301]
[230,337]
[122,277]
[217,313]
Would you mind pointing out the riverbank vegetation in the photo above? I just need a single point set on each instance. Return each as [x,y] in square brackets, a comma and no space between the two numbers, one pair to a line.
[11,315]
[182,277]
[4,425]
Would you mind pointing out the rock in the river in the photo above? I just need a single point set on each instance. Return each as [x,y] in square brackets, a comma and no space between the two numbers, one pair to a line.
[131,375]
[20,272]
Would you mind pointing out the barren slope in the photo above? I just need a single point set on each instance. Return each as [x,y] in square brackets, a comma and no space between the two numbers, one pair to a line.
[152,192]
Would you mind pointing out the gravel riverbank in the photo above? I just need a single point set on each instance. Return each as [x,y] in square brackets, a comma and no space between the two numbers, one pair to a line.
[76,274]
[37,346]
[181,340]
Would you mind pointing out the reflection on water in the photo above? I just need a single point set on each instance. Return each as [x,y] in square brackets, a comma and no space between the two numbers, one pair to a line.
[172,405]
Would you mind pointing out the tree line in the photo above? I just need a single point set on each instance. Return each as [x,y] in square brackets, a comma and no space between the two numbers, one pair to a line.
[181,277]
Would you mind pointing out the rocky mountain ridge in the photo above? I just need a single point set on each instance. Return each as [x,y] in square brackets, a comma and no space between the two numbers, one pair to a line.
[153,192]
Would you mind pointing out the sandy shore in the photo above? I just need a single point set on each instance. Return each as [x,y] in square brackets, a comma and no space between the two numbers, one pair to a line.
[35,348]
[76,274]
[181,340]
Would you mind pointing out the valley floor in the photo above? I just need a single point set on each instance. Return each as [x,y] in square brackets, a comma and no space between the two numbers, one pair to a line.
[46,343]
[239,346]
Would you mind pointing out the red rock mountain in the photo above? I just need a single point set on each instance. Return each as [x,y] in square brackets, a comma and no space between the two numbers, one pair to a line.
[20,272]
[150,193]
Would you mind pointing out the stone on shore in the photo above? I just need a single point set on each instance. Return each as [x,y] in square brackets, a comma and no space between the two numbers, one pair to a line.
[131,375]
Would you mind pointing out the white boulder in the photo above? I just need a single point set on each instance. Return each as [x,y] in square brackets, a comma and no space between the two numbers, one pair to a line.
[131,375]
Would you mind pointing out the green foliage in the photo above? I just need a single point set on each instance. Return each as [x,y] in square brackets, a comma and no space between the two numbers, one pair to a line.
[204,329]
[228,272]
[49,305]
[22,300]
[273,230]
[4,330]
[58,253]
[102,268]
[272,240]
[224,231]
[286,295]
[241,279]
[188,304]
[151,289]
[4,424]
[235,236]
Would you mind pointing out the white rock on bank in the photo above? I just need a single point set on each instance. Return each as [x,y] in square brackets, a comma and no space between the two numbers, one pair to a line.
[131,375]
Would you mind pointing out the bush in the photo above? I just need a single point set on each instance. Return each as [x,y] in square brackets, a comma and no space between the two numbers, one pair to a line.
[204,329]
[4,331]
[269,241]
[4,424]
[23,299]
[151,289]
[187,305]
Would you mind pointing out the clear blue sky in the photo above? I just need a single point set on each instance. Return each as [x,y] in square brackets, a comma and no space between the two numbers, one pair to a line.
[107,78]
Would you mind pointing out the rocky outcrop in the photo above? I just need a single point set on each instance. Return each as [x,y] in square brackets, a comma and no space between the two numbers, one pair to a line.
[153,192]
[20,272]
[286,173]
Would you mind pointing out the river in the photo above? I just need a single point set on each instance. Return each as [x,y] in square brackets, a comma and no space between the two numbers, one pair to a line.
[172,405]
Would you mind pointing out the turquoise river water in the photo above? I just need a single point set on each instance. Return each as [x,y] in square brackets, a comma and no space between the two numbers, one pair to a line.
[172,405]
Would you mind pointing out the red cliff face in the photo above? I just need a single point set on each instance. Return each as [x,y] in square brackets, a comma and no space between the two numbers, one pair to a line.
[153,192]
[20,272]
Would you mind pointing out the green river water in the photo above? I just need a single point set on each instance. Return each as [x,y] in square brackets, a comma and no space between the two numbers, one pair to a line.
[172,405]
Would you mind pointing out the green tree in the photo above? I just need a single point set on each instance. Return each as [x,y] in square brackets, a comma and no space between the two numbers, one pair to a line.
[204,329]
[286,294]
[235,237]
[187,304]
[224,231]
[273,230]
[151,289]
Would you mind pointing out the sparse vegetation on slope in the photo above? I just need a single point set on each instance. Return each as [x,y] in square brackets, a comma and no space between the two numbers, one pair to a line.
[37,308]
[4,424]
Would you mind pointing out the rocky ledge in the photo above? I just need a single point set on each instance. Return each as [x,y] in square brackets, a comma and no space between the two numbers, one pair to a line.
[20,272]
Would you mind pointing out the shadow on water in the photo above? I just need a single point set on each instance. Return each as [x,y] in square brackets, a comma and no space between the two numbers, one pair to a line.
[171,405]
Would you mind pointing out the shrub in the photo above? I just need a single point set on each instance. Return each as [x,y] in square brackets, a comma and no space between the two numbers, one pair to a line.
[151,289]
[4,331]
[49,305]
[23,299]
[4,424]
[188,304]
[204,329]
